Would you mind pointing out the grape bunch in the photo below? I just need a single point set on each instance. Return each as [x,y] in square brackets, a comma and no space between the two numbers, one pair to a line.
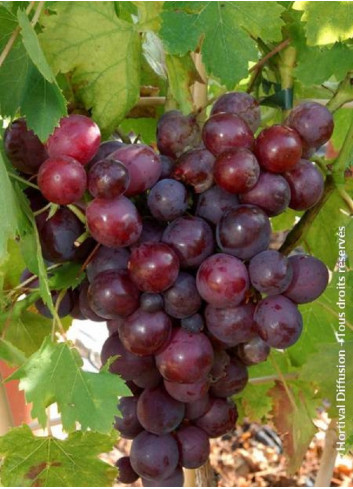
[178,260]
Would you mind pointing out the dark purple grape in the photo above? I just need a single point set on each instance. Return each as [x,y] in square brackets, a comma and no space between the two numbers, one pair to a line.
[253,352]
[149,379]
[270,272]
[135,389]
[244,232]
[222,280]
[154,457]
[105,149]
[236,170]
[152,231]
[310,279]
[158,412]
[113,325]
[213,203]
[195,169]
[234,381]
[194,446]
[77,136]
[75,312]
[174,480]
[278,320]
[65,307]
[127,422]
[241,104]
[187,358]
[271,193]
[107,259]
[58,235]
[187,392]
[35,199]
[306,185]
[143,164]
[225,131]
[176,133]
[219,419]
[167,200]
[114,223]
[182,299]
[153,267]
[126,474]
[220,364]
[193,324]
[196,409]
[231,325]
[191,238]
[108,179]
[144,333]
[151,302]
[113,294]
[167,166]
[127,365]
[278,148]
[84,305]
[313,122]
[23,148]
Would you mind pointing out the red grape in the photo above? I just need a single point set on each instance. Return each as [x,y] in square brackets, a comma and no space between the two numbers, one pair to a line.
[213,203]
[174,480]
[84,306]
[127,422]
[253,352]
[176,132]
[219,419]
[187,392]
[148,379]
[194,446]
[270,272]
[107,259]
[182,299]
[126,475]
[195,169]
[234,381]
[151,302]
[306,185]
[167,200]
[196,409]
[108,179]
[236,170]
[241,104]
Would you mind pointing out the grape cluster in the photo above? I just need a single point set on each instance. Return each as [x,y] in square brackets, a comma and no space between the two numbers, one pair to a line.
[183,273]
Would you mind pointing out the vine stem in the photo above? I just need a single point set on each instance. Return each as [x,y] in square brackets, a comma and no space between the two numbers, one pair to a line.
[328,459]
[22,180]
[78,213]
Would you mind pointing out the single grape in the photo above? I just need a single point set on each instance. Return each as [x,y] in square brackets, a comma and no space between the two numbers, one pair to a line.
[158,412]
[236,170]
[187,392]
[127,365]
[127,422]
[113,294]
[143,164]
[105,149]
[234,381]
[174,480]
[114,223]
[23,148]
[220,364]
[58,235]
[278,321]
[313,122]
[182,299]
[187,358]
[108,179]
[191,238]
[278,148]
[144,333]
[77,136]
[193,324]
[153,267]
[107,259]
[149,379]
[306,185]
[241,104]
[65,308]
[167,166]
[126,474]
[176,133]
[219,419]
[154,457]
[194,446]
[213,203]
[152,230]
[271,193]
[270,272]
[243,232]
[195,169]
[76,312]
[84,307]
[196,409]
[151,302]
[253,352]
[231,325]
[310,279]
[167,200]
[225,131]
[222,280]
[62,180]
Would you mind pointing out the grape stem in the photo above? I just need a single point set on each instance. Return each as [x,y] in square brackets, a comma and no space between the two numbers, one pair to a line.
[22,180]
[272,378]
[343,94]
[78,213]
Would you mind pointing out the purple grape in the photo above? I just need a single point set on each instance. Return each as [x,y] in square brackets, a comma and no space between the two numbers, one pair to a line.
[174,480]
[149,379]
[107,259]
[213,203]
[65,307]
[219,419]
[187,392]
[220,364]
[108,179]
[126,475]
[182,299]
[151,302]
[253,352]
[196,409]
[278,321]
[127,422]
[310,279]
[195,169]
[234,381]
[114,324]
[167,200]
[193,324]
[306,185]
[236,170]
[270,272]
[194,446]
[105,149]
[84,305]
[176,133]
[152,231]
[167,166]
[241,104]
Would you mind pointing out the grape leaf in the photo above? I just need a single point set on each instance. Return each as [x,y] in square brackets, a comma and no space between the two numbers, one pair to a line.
[227,46]
[255,403]
[143,126]
[54,374]
[181,75]
[284,221]
[149,18]
[67,275]
[11,354]
[102,52]
[326,22]
[30,461]
[342,119]
[12,267]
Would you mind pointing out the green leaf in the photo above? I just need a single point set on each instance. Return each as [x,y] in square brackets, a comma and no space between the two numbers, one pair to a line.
[11,354]
[30,461]
[67,275]
[143,126]
[284,221]
[12,267]
[181,75]
[102,52]
[342,119]
[149,15]
[326,22]
[227,46]
[255,402]
[54,374]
